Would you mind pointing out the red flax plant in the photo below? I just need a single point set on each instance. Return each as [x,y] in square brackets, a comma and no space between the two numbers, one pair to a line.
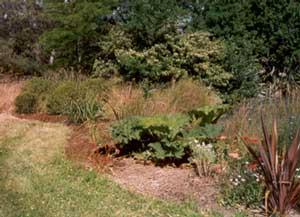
[278,166]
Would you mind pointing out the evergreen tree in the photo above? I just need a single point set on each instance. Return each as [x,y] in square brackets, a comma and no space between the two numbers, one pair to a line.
[79,25]
[271,28]
[21,24]
[148,21]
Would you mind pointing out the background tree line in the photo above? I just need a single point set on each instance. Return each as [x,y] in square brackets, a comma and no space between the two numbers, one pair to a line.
[234,46]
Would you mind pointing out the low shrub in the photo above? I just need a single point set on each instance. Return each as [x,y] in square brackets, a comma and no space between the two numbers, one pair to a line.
[39,86]
[62,97]
[80,101]
[95,87]
[26,103]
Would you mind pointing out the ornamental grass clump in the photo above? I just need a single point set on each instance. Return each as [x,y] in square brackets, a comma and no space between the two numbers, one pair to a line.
[279,169]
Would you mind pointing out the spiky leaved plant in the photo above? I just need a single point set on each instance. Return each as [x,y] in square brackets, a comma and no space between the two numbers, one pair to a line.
[278,165]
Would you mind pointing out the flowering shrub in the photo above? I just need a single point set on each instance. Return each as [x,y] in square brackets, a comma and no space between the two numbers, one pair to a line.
[242,184]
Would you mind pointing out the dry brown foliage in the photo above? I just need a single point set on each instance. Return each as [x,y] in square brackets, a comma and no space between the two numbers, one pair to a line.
[128,100]
[8,93]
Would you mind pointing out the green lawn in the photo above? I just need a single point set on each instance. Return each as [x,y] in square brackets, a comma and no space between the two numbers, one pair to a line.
[35,180]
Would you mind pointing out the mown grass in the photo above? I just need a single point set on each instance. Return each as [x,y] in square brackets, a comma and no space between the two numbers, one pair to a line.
[35,180]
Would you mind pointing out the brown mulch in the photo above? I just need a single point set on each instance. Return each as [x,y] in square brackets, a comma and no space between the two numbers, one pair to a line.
[79,148]
[175,184]
[43,117]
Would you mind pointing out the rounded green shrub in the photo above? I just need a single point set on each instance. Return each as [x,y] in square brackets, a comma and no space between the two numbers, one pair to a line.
[26,103]
[62,97]
[39,86]
[94,87]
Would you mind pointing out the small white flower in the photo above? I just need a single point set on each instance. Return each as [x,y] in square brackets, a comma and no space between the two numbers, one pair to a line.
[247,163]
[257,180]
[239,176]
[243,180]
[209,146]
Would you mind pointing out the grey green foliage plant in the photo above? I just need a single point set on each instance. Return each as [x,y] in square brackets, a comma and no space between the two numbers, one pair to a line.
[203,156]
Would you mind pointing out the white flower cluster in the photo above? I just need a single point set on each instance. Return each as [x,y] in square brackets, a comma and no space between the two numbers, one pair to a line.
[238,180]
[247,174]
[200,144]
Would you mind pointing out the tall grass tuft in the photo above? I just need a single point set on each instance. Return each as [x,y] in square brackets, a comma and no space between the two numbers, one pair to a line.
[129,100]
